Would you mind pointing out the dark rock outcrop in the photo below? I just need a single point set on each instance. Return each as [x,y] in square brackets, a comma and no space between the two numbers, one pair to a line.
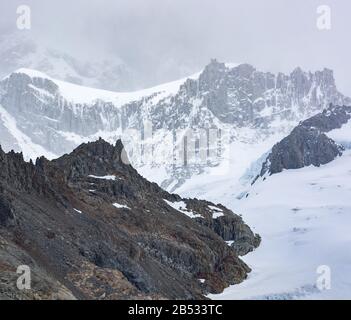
[308,144]
[90,227]
[331,118]
[303,147]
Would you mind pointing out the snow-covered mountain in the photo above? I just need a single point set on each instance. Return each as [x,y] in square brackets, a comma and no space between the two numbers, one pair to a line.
[224,113]
[20,50]
[248,120]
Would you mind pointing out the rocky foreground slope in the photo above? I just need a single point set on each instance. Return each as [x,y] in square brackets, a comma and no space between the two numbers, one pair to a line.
[90,227]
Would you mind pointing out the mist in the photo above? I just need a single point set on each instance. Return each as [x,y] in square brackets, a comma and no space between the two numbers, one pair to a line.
[165,40]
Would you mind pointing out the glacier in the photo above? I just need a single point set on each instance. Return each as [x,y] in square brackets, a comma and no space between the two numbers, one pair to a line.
[303,216]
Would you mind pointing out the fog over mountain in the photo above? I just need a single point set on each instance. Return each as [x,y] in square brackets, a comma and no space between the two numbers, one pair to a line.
[271,35]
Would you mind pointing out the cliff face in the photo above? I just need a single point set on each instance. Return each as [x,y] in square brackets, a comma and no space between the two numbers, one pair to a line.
[90,227]
[43,116]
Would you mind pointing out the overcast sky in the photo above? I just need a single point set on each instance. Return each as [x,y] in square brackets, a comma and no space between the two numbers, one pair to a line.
[175,37]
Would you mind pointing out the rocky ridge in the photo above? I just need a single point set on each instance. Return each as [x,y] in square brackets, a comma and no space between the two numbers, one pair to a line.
[90,227]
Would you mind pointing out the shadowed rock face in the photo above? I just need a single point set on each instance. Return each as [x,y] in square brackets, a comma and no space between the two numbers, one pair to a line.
[332,118]
[303,147]
[90,227]
[308,144]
